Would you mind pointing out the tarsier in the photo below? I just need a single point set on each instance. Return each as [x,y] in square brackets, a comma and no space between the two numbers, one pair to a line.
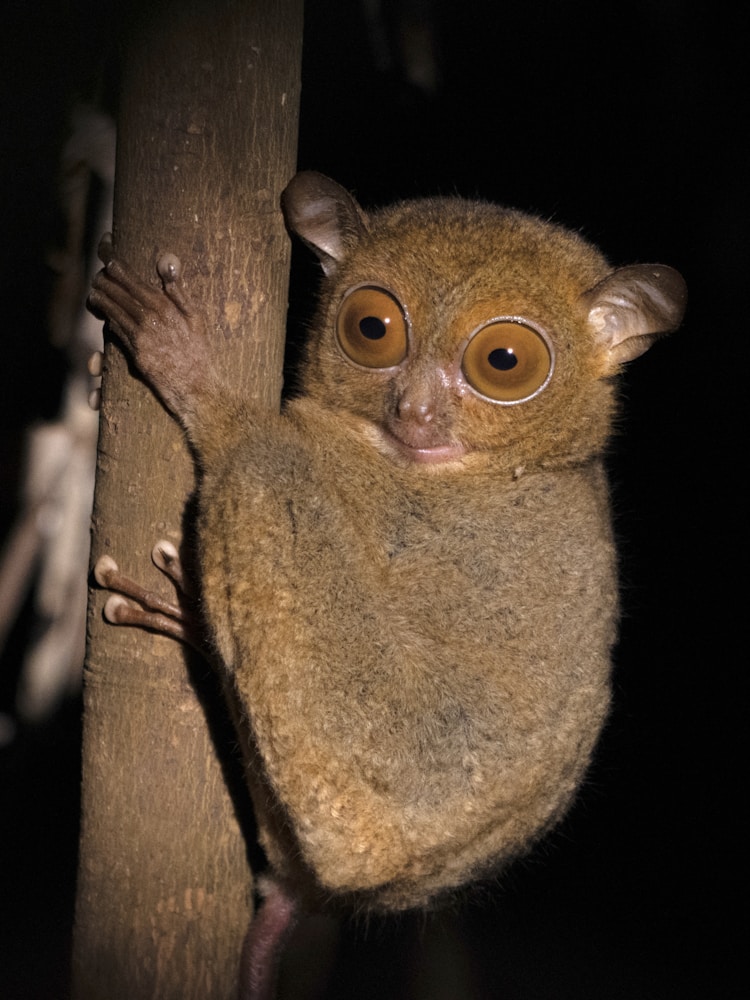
[409,573]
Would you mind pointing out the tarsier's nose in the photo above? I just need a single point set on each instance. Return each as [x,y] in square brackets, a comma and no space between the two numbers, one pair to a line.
[422,400]
[417,405]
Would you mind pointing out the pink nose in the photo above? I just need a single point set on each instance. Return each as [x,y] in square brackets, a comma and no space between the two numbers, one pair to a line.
[415,407]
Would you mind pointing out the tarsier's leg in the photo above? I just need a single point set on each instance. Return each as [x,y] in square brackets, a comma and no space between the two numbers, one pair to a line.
[276,915]
[152,610]
[264,943]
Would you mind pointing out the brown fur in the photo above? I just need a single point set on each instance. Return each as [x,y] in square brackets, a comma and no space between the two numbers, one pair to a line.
[420,652]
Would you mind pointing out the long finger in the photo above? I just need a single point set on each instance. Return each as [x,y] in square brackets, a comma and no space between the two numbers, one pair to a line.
[141,291]
[107,574]
[124,321]
[118,611]
[169,267]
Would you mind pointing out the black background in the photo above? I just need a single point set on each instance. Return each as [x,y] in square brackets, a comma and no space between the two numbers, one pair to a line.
[625,121]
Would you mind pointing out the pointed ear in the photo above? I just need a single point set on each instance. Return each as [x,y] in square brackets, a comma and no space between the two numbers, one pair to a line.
[630,308]
[324,216]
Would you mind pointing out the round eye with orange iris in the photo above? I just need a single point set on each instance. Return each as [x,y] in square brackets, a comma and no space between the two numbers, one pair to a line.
[371,328]
[508,361]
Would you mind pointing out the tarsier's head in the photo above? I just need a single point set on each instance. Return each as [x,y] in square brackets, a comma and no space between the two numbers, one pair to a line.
[455,328]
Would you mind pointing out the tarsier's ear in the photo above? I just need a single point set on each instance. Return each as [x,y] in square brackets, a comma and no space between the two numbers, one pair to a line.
[324,216]
[630,308]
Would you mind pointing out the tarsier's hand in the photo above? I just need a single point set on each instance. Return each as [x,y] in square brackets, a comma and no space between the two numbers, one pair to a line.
[161,329]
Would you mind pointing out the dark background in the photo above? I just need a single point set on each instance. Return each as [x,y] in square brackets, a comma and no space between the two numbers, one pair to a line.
[625,121]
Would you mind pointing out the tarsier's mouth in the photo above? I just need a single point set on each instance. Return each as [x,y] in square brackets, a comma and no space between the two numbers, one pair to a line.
[450,451]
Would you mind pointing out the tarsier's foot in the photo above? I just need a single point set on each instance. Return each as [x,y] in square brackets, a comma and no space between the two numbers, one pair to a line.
[151,611]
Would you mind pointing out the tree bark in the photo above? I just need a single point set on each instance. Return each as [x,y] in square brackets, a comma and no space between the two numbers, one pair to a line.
[206,142]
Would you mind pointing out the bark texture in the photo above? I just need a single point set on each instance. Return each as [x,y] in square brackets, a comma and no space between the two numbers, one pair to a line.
[206,143]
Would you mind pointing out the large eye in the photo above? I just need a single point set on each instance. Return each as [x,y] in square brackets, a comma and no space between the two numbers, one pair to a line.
[371,328]
[507,361]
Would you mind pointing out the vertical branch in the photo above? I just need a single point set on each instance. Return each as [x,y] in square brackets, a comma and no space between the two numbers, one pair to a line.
[206,142]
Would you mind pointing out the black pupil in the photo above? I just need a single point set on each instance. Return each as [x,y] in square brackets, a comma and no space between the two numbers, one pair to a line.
[372,327]
[502,358]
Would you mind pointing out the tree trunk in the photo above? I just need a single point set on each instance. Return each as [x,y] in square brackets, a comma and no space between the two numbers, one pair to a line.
[206,142]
